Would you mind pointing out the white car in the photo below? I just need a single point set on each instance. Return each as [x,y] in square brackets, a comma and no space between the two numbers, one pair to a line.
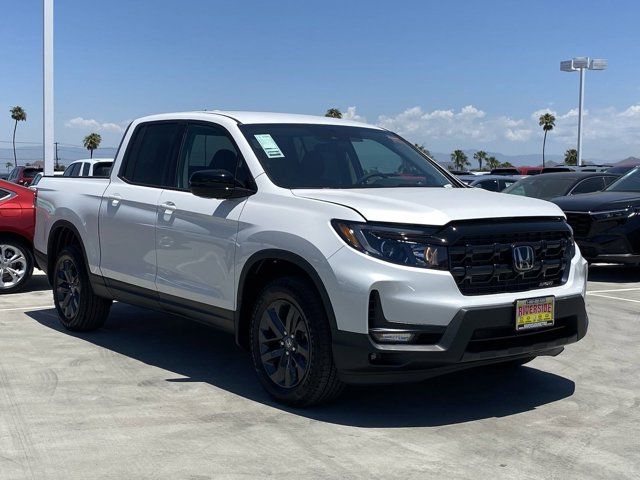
[333,250]
[89,167]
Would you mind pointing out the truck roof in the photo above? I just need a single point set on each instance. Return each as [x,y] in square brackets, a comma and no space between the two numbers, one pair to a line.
[260,117]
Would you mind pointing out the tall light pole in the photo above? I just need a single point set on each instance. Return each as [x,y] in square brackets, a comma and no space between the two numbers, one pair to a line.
[47,90]
[580,64]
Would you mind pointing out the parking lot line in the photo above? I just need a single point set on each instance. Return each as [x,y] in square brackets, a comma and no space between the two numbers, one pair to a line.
[613,298]
[616,290]
[35,307]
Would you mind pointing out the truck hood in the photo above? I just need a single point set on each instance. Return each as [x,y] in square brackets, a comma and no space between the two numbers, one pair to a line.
[598,201]
[432,206]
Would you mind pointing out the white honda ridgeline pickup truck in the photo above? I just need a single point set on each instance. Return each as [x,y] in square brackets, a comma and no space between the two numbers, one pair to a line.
[333,250]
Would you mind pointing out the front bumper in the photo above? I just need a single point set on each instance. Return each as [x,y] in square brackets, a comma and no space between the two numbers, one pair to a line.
[475,336]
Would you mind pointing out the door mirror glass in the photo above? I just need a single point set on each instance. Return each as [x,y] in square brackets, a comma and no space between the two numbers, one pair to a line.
[213,184]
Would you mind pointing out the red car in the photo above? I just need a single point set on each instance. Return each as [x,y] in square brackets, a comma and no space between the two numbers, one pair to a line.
[17,224]
[23,175]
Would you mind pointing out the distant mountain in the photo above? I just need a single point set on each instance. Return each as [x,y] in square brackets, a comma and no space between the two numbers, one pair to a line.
[628,162]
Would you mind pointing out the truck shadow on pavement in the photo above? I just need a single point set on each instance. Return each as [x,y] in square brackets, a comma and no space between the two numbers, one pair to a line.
[202,354]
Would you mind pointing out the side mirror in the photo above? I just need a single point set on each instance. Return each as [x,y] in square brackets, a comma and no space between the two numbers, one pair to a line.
[216,184]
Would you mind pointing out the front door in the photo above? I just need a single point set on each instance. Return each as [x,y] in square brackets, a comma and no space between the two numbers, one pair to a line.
[195,237]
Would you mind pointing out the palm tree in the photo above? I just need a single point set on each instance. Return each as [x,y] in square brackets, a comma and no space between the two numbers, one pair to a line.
[423,149]
[480,156]
[333,113]
[459,159]
[571,157]
[91,142]
[492,162]
[8,166]
[19,115]
[506,164]
[547,121]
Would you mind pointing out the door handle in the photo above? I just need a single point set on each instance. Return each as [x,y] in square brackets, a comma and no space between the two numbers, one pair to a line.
[115,199]
[169,207]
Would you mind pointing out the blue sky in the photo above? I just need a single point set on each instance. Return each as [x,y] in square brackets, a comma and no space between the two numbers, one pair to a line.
[447,74]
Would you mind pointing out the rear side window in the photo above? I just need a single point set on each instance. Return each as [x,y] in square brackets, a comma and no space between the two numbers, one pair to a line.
[102,169]
[4,194]
[151,154]
[593,184]
[85,169]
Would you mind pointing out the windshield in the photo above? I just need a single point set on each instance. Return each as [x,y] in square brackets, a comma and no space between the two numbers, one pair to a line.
[541,186]
[30,172]
[328,156]
[629,183]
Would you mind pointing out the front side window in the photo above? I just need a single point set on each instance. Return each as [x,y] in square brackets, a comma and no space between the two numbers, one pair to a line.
[593,184]
[72,170]
[329,156]
[206,147]
[151,154]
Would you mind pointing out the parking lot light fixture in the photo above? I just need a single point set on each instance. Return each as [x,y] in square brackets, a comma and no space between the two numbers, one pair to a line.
[580,64]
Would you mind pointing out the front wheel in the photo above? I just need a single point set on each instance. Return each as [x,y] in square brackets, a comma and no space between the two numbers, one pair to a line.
[291,344]
[16,265]
[79,308]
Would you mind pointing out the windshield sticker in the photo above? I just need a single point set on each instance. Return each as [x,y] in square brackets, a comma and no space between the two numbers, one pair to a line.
[269,146]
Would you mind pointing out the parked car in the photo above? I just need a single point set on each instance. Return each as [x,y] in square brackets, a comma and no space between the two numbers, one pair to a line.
[576,168]
[90,167]
[34,183]
[17,219]
[550,185]
[333,250]
[493,183]
[621,170]
[505,171]
[606,225]
[530,170]
[23,175]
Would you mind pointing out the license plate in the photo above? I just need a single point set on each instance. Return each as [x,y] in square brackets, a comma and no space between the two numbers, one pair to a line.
[535,313]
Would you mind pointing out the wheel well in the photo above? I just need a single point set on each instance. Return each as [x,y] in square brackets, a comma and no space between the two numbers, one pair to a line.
[255,279]
[16,237]
[60,238]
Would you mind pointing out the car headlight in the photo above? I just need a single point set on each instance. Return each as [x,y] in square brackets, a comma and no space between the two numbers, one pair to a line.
[411,246]
[616,214]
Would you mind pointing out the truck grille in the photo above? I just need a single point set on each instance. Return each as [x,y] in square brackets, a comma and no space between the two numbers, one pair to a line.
[482,263]
[580,222]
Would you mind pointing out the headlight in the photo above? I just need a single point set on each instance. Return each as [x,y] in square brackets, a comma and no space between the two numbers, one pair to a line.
[411,246]
[616,214]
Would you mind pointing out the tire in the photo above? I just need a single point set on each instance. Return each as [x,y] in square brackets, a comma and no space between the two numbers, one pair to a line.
[296,368]
[16,265]
[79,308]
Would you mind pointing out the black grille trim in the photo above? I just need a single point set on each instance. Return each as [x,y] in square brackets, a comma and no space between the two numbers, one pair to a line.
[481,258]
[580,223]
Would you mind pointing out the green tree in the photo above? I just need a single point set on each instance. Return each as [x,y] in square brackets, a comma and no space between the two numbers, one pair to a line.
[8,166]
[492,162]
[18,115]
[571,157]
[547,121]
[506,165]
[92,142]
[480,156]
[459,159]
[333,113]
[423,149]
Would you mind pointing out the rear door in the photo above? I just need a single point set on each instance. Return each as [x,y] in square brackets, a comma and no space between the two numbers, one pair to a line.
[195,237]
[128,210]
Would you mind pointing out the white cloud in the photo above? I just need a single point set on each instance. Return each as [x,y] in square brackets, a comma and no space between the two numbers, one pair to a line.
[609,133]
[79,122]
[351,114]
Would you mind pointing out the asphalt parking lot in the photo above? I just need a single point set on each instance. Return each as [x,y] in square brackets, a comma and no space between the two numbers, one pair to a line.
[153,396]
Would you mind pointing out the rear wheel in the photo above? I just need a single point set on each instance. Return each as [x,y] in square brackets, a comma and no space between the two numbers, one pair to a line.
[16,265]
[291,344]
[79,308]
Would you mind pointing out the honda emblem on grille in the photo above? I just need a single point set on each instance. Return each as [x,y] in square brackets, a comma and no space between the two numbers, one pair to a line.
[523,258]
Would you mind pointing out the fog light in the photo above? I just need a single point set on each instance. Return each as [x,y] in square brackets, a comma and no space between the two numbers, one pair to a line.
[392,337]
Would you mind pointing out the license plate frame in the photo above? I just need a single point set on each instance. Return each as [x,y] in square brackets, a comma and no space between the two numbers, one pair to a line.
[535,313]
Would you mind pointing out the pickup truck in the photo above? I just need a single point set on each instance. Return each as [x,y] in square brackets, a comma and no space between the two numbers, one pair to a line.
[335,251]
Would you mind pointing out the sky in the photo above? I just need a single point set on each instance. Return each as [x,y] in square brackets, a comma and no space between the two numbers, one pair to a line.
[454,74]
